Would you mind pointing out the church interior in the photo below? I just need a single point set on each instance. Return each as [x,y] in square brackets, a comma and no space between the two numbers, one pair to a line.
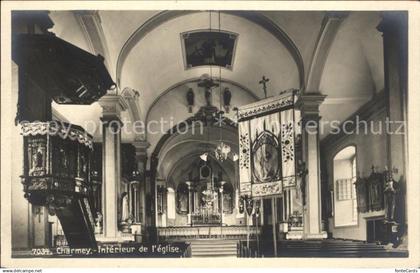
[189,128]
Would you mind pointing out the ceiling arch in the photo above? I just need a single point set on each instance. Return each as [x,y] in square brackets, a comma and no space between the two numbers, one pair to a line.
[252,16]
[185,159]
[171,108]
[147,47]
[195,80]
[156,63]
[209,135]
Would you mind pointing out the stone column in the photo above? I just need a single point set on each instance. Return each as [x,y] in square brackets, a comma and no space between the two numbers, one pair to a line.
[189,202]
[134,205]
[394,27]
[141,158]
[112,106]
[221,200]
[309,105]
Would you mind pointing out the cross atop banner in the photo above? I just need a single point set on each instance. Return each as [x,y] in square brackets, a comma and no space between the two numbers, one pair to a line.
[267,146]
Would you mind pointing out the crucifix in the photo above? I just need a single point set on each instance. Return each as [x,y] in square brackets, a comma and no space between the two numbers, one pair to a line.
[208,84]
[264,84]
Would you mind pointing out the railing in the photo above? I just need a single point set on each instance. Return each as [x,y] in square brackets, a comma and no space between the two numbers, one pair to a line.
[248,250]
[225,232]
[187,252]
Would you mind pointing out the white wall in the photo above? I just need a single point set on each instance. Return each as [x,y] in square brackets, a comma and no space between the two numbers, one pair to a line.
[20,206]
[370,150]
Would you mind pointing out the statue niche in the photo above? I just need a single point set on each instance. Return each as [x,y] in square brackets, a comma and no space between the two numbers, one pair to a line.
[390,191]
[182,198]
[227,198]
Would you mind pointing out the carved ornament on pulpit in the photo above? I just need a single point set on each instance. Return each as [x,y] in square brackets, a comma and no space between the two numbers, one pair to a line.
[56,163]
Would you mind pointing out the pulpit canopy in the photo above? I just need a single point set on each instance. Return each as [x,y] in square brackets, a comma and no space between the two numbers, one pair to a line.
[69,74]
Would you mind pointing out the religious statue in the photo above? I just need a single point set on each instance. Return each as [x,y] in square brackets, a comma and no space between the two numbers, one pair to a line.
[227,198]
[37,161]
[125,215]
[38,158]
[390,194]
[208,84]
[207,95]
[126,218]
[227,96]
[182,198]
[263,82]
[98,223]
[302,171]
[190,100]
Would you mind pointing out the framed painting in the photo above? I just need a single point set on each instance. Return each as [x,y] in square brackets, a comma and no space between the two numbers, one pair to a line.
[205,47]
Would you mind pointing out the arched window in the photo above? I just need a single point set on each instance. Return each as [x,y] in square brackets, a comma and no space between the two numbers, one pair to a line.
[345,199]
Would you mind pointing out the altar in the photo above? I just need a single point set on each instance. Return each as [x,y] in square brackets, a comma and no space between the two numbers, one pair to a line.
[206,219]
[207,212]
[207,232]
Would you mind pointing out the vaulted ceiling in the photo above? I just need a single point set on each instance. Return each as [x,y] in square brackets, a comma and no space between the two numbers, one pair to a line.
[337,54]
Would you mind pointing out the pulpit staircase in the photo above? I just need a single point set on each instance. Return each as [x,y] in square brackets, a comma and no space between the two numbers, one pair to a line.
[76,222]
[205,248]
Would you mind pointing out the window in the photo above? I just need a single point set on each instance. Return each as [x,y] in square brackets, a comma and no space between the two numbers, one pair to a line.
[354,193]
[345,200]
[344,189]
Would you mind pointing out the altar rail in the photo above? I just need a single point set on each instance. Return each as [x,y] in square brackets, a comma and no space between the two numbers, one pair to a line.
[206,232]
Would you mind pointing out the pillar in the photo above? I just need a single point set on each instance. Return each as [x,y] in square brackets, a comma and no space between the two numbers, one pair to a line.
[309,106]
[141,158]
[394,28]
[189,202]
[112,106]
[222,183]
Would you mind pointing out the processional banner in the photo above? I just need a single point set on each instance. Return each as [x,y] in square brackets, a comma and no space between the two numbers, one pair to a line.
[267,146]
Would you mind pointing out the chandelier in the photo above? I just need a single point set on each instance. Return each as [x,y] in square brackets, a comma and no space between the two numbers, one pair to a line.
[222,150]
